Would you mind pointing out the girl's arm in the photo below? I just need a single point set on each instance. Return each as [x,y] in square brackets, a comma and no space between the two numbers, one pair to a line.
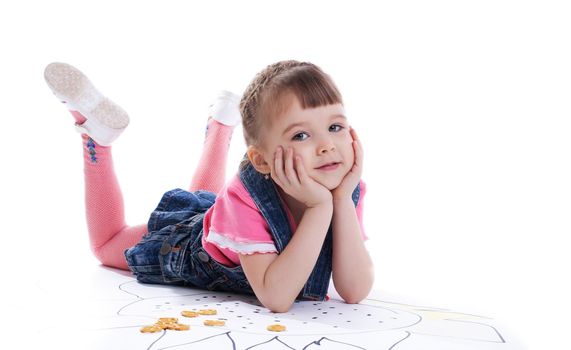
[353,273]
[278,279]
[352,266]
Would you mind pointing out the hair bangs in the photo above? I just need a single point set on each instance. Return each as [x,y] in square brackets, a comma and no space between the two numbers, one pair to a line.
[312,87]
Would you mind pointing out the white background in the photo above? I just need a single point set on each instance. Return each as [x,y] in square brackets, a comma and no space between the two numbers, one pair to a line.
[463,109]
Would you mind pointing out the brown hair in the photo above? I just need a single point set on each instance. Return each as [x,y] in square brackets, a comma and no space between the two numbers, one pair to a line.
[266,95]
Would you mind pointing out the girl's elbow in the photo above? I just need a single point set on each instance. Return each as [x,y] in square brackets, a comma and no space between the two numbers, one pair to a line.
[280,308]
[356,295]
[276,304]
[354,299]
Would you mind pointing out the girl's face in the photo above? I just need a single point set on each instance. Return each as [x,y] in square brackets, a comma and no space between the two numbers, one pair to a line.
[320,136]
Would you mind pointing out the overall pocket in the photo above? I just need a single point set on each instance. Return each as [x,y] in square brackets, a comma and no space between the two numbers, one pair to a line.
[173,254]
[143,258]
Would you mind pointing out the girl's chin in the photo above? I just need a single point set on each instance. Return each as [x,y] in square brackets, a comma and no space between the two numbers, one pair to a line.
[330,185]
[330,182]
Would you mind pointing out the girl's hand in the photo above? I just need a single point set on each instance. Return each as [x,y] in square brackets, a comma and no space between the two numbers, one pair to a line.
[289,173]
[352,178]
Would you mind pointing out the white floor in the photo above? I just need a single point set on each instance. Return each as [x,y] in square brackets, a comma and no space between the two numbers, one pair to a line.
[105,308]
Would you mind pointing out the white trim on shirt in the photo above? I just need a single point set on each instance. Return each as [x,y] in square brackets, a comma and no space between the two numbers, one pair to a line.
[240,247]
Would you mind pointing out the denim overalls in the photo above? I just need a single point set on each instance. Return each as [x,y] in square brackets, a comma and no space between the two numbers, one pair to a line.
[172,252]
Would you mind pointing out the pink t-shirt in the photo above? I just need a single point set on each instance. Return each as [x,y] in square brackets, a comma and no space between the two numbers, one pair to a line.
[234,225]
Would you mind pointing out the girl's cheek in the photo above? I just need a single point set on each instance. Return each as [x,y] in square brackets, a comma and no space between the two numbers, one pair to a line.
[350,153]
[348,137]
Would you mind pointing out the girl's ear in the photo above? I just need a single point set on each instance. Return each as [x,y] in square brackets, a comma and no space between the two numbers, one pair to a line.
[256,157]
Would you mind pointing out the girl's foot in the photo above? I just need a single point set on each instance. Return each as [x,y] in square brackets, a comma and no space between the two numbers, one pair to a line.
[225,108]
[105,120]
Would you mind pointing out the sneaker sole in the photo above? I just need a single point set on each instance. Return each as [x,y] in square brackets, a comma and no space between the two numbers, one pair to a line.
[71,86]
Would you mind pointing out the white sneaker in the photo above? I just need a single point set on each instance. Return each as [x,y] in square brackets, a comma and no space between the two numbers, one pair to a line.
[105,119]
[226,108]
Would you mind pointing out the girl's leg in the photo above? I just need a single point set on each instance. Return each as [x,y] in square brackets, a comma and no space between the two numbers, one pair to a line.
[210,173]
[100,121]
[109,235]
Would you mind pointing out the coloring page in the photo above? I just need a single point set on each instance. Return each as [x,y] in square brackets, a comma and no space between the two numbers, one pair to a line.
[109,310]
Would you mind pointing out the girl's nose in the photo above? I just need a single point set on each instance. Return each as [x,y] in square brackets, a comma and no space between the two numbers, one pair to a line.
[326,146]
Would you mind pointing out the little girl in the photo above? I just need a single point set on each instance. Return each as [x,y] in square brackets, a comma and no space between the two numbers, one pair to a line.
[288,221]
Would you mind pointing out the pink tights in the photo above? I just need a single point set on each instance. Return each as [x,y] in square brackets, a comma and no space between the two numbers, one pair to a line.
[109,235]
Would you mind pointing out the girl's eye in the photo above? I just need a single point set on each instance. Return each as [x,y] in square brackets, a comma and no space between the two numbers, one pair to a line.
[300,136]
[335,128]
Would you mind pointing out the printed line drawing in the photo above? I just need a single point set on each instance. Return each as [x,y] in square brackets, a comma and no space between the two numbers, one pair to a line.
[124,305]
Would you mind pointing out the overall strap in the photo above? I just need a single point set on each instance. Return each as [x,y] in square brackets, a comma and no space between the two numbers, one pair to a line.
[267,199]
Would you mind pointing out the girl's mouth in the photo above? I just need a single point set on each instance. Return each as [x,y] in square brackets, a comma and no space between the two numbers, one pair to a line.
[329,166]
